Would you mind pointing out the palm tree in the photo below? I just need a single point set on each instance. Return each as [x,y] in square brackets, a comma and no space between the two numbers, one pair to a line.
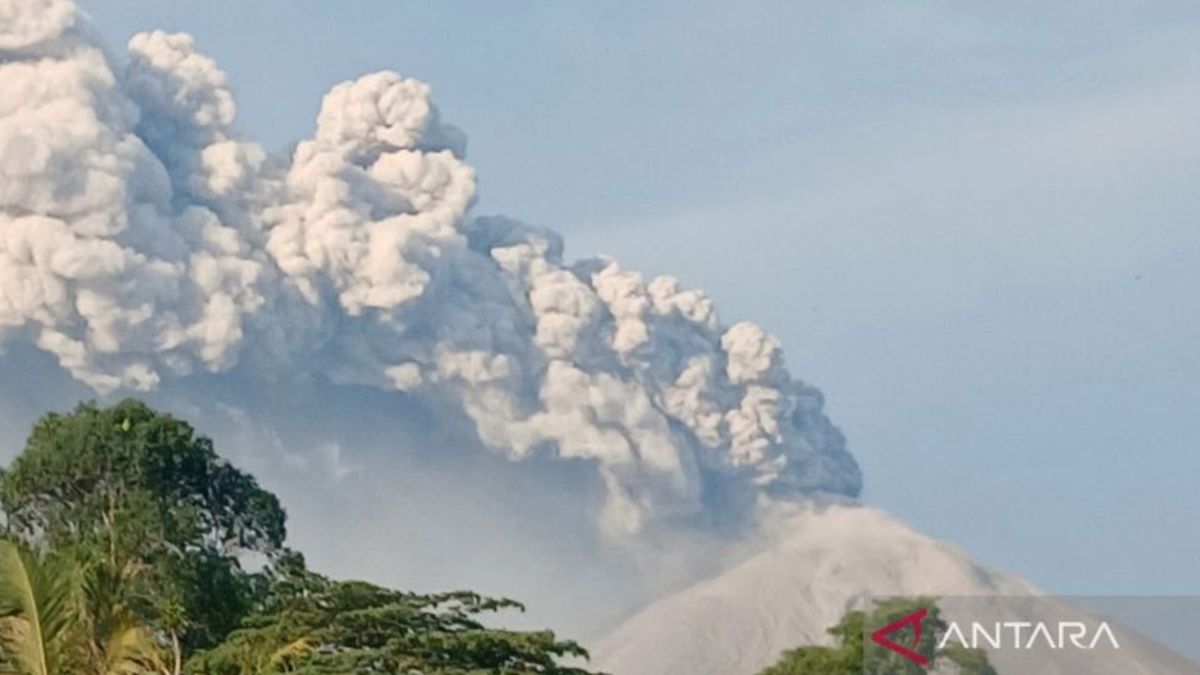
[38,613]
[57,618]
[115,642]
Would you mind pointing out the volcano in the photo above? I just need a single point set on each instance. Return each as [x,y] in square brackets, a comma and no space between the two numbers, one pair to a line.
[827,561]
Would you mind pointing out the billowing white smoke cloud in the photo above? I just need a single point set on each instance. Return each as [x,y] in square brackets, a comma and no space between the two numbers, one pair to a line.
[142,240]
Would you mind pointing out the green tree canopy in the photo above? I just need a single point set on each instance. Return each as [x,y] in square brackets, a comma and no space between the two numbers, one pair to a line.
[126,534]
[140,490]
[319,626]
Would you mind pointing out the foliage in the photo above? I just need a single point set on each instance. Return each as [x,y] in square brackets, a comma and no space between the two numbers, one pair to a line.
[316,625]
[37,603]
[137,489]
[125,534]
[969,661]
[56,618]
[853,656]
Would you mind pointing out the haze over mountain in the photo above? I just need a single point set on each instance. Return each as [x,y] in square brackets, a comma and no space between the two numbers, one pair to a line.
[825,562]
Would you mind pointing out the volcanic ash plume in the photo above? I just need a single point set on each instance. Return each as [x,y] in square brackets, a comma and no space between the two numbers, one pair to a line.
[143,241]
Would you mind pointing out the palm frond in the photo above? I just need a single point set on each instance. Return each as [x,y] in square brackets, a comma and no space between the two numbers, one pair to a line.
[132,650]
[289,653]
[39,611]
[119,644]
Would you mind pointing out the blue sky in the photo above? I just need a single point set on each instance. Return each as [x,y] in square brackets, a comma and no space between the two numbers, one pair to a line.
[975,227]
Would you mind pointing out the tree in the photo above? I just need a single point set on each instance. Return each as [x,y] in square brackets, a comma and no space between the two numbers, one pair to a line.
[38,609]
[140,527]
[139,493]
[317,626]
[55,619]
[853,656]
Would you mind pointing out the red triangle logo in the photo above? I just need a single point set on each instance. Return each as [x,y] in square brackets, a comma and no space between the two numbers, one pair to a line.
[880,638]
